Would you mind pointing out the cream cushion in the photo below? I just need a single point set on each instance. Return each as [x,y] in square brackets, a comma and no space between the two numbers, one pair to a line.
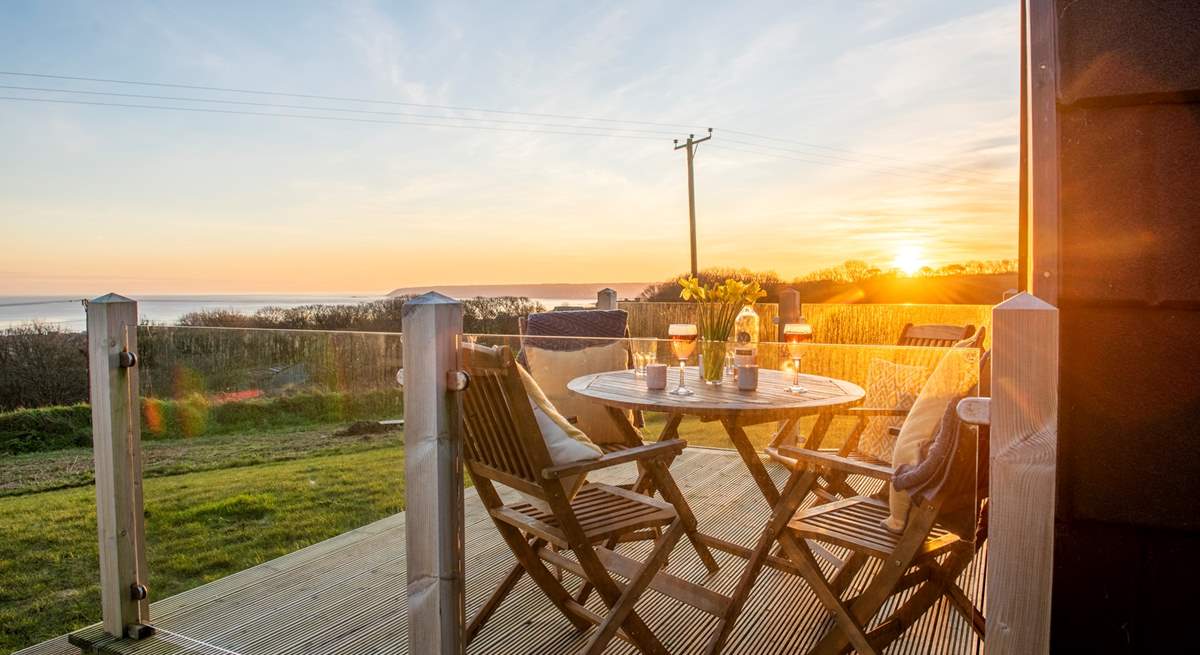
[954,376]
[553,369]
[889,386]
[565,443]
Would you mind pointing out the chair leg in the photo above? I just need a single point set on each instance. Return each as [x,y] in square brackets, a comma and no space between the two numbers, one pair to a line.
[846,572]
[851,626]
[660,476]
[883,585]
[794,491]
[622,609]
[611,594]
[940,583]
[542,576]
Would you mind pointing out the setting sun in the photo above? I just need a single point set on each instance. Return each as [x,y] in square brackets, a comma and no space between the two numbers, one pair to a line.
[909,260]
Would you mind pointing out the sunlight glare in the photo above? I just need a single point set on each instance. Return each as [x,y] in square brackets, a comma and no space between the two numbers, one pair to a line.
[908,259]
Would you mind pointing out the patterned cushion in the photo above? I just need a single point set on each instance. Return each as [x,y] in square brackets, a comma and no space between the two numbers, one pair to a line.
[889,386]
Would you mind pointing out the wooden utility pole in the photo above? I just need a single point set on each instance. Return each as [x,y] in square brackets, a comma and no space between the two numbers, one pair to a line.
[691,144]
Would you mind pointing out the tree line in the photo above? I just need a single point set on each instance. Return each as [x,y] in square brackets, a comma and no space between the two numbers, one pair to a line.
[44,364]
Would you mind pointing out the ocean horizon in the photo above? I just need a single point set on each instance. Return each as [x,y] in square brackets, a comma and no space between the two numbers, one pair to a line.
[68,311]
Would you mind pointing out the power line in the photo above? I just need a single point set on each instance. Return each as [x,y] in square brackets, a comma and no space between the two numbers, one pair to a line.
[339,109]
[346,99]
[211,110]
[41,302]
[859,156]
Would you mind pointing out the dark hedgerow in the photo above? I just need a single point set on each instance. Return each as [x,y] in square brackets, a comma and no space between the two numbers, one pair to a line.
[70,426]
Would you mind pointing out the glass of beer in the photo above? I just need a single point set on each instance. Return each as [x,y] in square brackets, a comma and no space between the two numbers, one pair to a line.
[795,335]
[683,344]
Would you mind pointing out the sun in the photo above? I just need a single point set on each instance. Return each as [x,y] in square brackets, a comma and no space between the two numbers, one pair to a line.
[908,259]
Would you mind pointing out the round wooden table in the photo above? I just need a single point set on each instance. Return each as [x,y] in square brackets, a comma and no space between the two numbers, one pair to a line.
[621,390]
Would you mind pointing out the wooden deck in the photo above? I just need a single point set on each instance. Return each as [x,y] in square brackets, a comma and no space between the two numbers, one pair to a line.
[346,595]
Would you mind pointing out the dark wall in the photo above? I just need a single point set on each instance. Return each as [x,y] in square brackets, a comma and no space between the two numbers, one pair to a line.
[1128,514]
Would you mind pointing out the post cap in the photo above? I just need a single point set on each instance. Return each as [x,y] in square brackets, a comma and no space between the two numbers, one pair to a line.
[109,299]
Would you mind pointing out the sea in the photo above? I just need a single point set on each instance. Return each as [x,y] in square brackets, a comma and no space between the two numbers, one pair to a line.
[68,311]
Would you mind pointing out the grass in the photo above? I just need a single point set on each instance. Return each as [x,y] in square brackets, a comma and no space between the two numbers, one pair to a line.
[200,526]
[72,467]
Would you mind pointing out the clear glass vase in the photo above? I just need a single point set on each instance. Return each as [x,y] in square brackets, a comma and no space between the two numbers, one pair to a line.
[712,360]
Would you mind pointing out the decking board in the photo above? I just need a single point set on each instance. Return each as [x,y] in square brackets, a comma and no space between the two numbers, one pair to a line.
[347,594]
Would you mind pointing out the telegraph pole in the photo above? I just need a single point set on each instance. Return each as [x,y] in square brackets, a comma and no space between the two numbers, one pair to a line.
[691,144]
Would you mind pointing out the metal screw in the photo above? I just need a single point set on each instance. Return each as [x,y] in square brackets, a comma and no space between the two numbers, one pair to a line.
[138,591]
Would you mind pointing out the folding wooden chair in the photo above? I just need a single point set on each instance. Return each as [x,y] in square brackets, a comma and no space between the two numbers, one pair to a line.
[833,485]
[941,336]
[946,525]
[504,445]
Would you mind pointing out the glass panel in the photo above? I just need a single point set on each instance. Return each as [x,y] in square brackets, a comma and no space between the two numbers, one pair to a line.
[257,443]
[48,565]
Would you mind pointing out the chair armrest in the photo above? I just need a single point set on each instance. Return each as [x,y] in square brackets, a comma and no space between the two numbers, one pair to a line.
[668,448]
[876,411]
[975,411]
[816,459]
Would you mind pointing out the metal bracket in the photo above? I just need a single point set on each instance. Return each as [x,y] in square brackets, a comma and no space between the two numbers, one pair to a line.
[139,631]
[457,380]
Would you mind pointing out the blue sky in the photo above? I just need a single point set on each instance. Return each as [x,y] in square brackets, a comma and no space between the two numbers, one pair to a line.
[900,120]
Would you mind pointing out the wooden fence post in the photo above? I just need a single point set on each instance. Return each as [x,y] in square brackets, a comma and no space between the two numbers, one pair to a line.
[606,299]
[1024,435]
[789,310]
[434,533]
[116,440]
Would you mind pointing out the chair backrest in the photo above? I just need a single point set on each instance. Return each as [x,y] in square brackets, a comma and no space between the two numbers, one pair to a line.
[942,336]
[554,362]
[503,442]
[610,323]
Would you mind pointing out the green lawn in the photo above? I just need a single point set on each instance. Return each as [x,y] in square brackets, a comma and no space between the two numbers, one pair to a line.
[72,467]
[200,526]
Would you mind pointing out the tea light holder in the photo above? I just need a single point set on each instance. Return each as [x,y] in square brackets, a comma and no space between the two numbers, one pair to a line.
[656,377]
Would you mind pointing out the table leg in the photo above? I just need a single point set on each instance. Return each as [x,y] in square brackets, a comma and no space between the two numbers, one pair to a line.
[785,433]
[660,476]
[644,484]
[758,471]
[820,428]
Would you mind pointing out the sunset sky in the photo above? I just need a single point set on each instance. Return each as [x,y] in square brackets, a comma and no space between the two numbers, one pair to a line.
[896,124]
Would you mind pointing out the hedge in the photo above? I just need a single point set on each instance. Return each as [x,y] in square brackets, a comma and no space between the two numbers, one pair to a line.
[70,426]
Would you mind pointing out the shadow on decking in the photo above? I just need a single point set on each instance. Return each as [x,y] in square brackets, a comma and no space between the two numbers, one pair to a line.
[347,594]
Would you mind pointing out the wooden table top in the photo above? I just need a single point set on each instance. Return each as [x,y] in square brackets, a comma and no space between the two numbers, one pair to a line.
[770,401]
